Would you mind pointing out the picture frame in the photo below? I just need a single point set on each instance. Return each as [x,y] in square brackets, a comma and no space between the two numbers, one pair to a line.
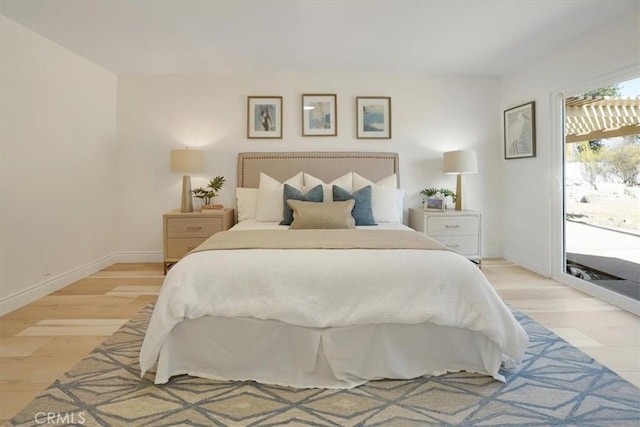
[435,204]
[319,114]
[264,117]
[373,117]
[520,131]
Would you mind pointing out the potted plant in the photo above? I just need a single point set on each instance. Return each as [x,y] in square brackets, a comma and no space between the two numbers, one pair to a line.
[206,194]
[437,193]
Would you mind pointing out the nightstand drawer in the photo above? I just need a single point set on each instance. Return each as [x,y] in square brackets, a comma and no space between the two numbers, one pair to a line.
[465,245]
[459,230]
[452,226]
[177,248]
[193,227]
[184,231]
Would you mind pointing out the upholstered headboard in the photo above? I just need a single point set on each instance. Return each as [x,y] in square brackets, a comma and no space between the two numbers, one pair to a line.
[323,165]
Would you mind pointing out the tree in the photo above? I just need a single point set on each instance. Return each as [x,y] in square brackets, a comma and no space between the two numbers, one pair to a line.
[623,161]
[613,90]
[594,146]
[590,160]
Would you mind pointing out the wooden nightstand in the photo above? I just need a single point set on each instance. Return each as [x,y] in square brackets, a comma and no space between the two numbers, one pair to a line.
[459,230]
[182,232]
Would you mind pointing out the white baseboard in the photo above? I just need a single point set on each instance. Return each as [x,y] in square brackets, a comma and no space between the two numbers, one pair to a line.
[44,288]
[127,257]
[527,263]
[492,252]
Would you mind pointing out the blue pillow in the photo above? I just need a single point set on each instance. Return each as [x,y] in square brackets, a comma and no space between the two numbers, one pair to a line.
[362,211]
[289,192]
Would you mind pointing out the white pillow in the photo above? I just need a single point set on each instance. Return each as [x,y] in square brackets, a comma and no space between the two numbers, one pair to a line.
[345,181]
[384,197]
[247,203]
[400,203]
[270,202]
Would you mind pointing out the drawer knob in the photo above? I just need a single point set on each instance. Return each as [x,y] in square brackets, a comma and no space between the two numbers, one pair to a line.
[452,226]
[455,245]
[193,227]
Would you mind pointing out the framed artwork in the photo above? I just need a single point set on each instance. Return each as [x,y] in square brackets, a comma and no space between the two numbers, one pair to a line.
[435,204]
[373,115]
[264,117]
[520,131]
[319,115]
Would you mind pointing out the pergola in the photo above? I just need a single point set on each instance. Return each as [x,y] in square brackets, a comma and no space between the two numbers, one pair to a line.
[589,118]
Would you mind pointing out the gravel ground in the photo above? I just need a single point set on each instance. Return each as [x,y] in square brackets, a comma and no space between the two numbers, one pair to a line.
[611,205]
[617,213]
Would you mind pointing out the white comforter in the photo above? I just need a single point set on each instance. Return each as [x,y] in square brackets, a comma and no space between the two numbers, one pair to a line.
[333,288]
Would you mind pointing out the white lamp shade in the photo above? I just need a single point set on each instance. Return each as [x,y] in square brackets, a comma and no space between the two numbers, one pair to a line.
[187,161]
[460,161]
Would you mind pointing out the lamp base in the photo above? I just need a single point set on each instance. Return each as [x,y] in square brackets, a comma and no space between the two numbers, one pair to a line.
[459,192]
[187,203]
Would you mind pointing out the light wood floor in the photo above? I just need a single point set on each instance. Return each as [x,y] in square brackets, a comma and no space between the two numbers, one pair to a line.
[41,341]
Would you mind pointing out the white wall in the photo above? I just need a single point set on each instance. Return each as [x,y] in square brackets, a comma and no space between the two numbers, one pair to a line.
[531,185]
[430,115]
[72,192]
[58,157]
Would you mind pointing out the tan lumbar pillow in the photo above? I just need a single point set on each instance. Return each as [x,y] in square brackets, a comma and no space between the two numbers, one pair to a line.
[314,215]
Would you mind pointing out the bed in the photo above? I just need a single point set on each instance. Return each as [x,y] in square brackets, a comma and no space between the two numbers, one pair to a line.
[329,307]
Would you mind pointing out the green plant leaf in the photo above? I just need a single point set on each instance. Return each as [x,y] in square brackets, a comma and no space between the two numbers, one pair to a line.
[444,192]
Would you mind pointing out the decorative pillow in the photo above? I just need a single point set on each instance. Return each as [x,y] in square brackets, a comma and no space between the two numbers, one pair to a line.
[362,211]
[247,202]
[290,193]
[270,197]
[345,181]
[313,215]
[383,197]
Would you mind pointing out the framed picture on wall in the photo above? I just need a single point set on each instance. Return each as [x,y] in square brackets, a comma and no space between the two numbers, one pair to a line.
[319,115]
[373,115]
[520,131]
[264,117]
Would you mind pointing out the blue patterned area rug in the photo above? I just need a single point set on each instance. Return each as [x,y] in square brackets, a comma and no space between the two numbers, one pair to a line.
[556,384]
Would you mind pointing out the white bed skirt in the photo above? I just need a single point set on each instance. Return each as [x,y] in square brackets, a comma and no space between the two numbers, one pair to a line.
[273,352]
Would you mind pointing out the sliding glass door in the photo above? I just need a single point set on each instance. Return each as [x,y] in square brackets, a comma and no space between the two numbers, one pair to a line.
[601,189]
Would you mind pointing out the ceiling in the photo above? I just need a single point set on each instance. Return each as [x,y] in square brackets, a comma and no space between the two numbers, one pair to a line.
[461,37]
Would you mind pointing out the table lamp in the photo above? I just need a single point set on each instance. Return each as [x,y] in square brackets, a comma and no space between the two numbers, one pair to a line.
[460,162]
[187,161]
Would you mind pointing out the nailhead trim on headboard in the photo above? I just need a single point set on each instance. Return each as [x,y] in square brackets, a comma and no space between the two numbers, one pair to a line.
[244,157]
